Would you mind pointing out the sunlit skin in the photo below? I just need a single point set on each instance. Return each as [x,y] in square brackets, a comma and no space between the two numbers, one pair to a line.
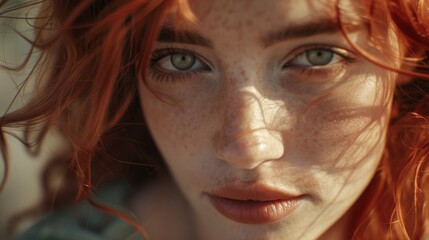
[304,114]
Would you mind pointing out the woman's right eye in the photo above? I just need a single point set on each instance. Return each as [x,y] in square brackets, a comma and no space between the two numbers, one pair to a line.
[171,64]
[171,60]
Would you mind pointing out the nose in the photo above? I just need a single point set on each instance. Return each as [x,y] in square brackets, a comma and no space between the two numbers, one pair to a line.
[245,140]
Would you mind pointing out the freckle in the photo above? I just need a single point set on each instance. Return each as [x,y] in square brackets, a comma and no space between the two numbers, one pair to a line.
[211,27]
[268,19]
[259,12]
[176,133]
[242,73]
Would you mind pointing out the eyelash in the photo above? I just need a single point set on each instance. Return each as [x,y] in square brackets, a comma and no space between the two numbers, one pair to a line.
[346,59]
[161,74]
[164,75]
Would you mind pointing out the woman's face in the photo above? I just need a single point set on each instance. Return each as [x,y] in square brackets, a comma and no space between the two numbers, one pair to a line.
[269,122]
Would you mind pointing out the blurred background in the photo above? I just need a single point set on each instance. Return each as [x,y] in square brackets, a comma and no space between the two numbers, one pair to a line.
[22,189]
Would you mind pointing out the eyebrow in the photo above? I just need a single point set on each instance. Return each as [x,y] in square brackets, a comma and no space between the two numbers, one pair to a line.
[169,35]
[315,27]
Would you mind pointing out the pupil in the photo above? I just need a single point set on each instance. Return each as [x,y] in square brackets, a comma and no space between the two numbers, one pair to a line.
[319,57]
[182,61]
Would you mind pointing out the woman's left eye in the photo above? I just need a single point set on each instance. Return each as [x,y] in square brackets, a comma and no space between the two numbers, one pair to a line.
[171,60]
[317,57]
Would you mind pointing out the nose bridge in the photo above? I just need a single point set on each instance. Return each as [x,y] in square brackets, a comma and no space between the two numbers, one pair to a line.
[245,138]
[244,112]
[245,104]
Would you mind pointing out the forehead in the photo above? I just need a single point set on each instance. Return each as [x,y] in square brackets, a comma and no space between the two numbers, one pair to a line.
[256,21]
[253,11]
[236,14]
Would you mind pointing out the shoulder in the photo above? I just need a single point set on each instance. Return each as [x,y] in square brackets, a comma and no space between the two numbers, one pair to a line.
[85,222]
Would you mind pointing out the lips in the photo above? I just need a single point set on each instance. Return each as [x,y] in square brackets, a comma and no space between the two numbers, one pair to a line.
[253,204]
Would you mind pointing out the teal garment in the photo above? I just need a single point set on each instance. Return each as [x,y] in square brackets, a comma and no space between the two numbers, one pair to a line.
[84,222]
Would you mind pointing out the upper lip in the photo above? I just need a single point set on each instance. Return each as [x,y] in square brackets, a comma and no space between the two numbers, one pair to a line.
[251,192]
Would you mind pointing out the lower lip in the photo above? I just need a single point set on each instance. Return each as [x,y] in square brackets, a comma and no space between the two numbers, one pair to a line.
[254,212]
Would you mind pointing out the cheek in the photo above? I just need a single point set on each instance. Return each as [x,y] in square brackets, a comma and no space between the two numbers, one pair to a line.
[172,133]
[348,123]
[174,128]
[182,137]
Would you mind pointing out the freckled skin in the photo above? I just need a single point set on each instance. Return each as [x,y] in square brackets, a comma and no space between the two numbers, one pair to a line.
[250,120]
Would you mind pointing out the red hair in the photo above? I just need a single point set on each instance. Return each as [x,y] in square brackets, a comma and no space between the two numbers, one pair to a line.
[100,48]
[394,206]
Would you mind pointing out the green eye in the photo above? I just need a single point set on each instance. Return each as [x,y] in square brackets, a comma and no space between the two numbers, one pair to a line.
[182,61]
[319,57]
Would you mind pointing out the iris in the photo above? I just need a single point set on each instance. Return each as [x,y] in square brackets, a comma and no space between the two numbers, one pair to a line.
[182,61]
[319,57]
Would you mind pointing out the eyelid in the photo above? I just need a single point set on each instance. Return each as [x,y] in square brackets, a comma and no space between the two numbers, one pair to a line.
[342,52]
[161,74]
[160,53]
